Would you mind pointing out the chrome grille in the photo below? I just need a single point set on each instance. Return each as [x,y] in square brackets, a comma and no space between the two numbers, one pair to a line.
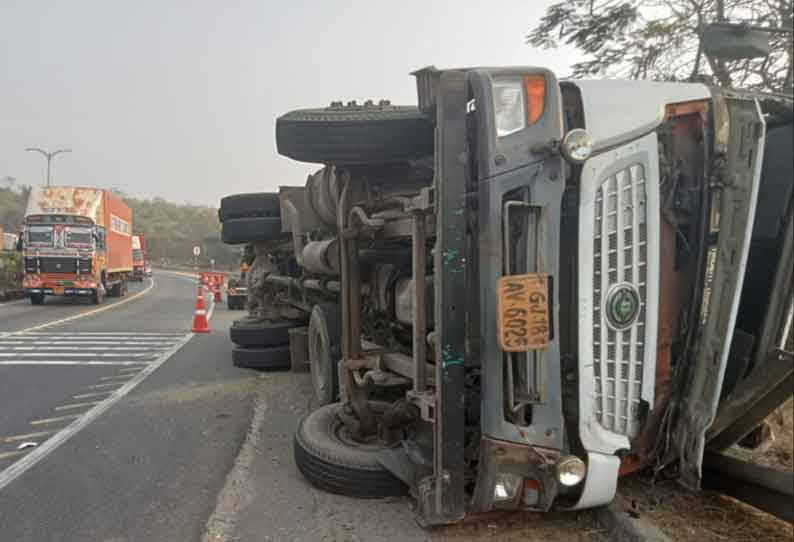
[620,256]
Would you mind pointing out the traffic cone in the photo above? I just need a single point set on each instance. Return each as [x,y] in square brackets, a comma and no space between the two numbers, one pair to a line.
[200,324]
[217,298]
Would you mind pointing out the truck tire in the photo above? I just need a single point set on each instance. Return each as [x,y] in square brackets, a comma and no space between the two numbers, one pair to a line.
[355,134]
[261,333]
[249,205]
[36,299]
[98,296]
[325,330]
[237,231]
[338,465]
[267,357]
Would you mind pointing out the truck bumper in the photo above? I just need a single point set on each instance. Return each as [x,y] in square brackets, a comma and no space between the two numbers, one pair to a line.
[70,291]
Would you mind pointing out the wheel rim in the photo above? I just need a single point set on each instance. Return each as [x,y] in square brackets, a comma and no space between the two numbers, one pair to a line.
[318,359]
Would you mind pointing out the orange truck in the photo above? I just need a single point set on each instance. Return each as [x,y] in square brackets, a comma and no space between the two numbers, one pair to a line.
[76,241]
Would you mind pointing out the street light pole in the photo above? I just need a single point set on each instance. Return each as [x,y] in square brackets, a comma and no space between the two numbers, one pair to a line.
[49,156]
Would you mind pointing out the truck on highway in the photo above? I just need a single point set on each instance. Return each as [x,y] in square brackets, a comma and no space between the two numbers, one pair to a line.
[524,287]
[141,267]
[77,241]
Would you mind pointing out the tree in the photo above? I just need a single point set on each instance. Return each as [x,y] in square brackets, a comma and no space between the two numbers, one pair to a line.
[659,39]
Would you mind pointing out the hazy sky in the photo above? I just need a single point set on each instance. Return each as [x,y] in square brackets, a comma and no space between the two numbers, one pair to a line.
[178,99]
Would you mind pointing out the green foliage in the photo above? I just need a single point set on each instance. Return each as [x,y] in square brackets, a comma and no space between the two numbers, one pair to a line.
[172,230]
[12,208]
[659,39]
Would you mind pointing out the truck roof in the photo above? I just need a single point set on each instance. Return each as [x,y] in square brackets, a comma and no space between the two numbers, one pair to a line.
[66,200]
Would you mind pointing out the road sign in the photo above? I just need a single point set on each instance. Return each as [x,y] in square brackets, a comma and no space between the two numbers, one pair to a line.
[196,251]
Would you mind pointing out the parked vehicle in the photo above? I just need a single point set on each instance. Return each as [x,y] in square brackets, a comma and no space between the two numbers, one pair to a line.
[77,242]
[140,261]
[532,286]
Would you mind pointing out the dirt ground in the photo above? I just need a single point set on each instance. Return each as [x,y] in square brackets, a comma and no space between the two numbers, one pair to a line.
[779,452]
[687,516]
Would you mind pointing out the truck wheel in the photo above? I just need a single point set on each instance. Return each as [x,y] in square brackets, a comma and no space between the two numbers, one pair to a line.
[267,357]
[249,205]
[115,290]
[325,329]
[98,297]
[36,299]
[261,333]
[329,459]
[355,134]
[236,231]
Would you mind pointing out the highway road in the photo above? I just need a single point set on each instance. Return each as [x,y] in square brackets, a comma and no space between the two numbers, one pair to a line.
[146,432]
[136,421]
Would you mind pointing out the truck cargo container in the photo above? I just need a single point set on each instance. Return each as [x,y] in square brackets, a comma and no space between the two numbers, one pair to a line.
[77,241]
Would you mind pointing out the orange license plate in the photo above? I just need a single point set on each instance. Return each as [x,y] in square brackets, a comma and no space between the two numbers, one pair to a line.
[57,290]
[523,312]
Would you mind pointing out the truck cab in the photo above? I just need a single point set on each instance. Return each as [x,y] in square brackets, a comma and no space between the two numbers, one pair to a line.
[539,279]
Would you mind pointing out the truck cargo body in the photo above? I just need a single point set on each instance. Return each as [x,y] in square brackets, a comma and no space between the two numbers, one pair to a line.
[77,242]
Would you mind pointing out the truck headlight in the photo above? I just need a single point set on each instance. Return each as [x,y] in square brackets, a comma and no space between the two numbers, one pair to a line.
[570,470]
[576,146]
[508,103]
[507,486]
[518,102]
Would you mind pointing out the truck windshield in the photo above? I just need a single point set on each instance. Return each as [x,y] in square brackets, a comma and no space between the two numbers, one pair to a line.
[40,236]
[78,237]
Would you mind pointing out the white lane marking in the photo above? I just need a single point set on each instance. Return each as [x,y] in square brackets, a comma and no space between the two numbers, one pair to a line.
[50,445]
[9,455]
[72,363]
[74,406]
[92,395]
[105,334]
[75,355]
[28,436]
[108,385]
[87,343]
[116,377]
[84,314]
[85,348]
[55,420]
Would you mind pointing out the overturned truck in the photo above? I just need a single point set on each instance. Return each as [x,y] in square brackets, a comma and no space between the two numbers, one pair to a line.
[524,288]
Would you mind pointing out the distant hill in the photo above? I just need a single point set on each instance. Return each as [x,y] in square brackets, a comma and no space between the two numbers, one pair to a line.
[171,230]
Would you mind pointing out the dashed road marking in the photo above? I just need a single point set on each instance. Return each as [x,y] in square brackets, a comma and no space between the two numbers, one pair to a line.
[28,436]
[74,406]
[92,394]
[18,468]
[69,363]
[10,455]
[57,419]
[103,386]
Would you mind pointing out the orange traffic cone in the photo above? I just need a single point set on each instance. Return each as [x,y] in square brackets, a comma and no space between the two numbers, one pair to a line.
[200,324]
[217,298]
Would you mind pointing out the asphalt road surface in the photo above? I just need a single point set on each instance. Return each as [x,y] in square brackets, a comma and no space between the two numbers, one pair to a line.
[146,432]
[135,420]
